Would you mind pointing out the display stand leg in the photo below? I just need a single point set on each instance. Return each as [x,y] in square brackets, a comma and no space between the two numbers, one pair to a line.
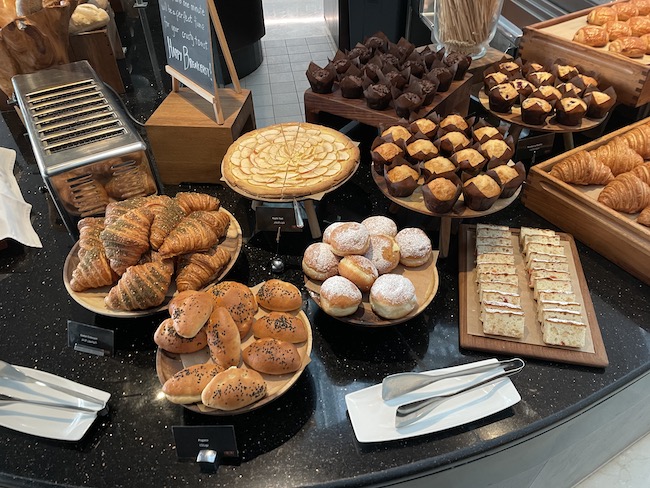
[568,140]
[444,236]
[312,219]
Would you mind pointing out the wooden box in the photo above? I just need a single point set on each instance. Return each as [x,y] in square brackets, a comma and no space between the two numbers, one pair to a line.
[187,143]
[575,209]
[550,40]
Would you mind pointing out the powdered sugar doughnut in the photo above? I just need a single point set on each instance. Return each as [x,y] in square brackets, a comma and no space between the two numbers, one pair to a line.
[359,270]
[383,252]
[328,231]
[414,246]
[349,238]
[319,262]
[378,224]
[393,296]
[339,296]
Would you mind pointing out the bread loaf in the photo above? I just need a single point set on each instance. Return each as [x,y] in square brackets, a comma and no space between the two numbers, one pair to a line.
[234,388]
[223,338]
[167,339]
[279,296]
[272,356]
[187,385]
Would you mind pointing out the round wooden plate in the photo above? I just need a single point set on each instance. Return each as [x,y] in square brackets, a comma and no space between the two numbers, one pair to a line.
[167,364]
[424,278]
[93,299]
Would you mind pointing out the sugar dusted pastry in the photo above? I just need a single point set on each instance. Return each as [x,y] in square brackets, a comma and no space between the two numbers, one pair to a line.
[379,224]
[415,246]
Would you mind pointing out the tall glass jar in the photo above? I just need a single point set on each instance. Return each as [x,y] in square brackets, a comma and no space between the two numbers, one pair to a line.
[466,26]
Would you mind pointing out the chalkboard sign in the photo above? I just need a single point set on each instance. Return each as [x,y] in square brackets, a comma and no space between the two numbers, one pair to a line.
[188,40]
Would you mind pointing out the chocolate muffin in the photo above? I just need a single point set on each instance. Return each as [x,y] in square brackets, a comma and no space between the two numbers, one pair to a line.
[377,96]
[462,62]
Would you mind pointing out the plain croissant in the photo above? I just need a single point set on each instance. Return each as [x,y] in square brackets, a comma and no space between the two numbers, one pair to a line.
[199,231]
[638,139]
[167,215]
[644,217]
[141,286]
[93,271]
[199,269]
[618,155]
[192,202]
[582,168]
[643,172]
[127,239]
[627,193]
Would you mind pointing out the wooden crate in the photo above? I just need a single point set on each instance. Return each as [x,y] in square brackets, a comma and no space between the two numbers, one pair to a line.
[187,143]
[575,209]
[550,40]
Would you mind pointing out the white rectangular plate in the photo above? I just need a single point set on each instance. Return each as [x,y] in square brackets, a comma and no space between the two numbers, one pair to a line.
[373,419]
[52,423]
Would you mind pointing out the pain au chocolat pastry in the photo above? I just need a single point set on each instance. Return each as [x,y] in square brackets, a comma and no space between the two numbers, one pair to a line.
[601,15]
[639,25]
[631,47]
[625,10]
[617,28]
[592,35]
[502,97]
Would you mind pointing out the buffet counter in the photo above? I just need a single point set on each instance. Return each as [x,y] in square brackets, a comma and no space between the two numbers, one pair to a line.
[570,418]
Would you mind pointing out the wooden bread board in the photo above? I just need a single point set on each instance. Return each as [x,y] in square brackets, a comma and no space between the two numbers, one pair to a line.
[575,209]
[471,335]
[548,41]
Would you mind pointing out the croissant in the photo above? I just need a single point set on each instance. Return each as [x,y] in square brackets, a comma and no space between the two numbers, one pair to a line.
[191,202]
[592,35]
[198,231]
[199,269]
[639,139]
[167,216]
[644,217]
[93,271]
[630,46]
[89,230]
[127,239]
[618,156]
[642,172]
[141,286]
[129,181]
[115,210]
[582,168]
[627,193]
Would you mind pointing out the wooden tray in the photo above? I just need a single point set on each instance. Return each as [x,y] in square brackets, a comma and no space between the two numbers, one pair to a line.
[93,299]
[424,278]
[593,354]
[167,364]
[575,209]
[547,41]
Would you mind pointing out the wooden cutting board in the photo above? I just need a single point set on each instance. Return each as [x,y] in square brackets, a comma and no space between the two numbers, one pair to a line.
[471,337]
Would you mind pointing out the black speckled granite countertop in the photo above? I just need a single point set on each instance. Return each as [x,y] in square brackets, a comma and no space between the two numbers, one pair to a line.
[305,437]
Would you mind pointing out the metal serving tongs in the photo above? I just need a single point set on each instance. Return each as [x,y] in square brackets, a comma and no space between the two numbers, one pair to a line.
[12,399]
[410,412]
[7,371]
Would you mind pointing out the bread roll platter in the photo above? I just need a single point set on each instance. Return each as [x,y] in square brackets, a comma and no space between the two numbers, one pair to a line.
[272,346]
[531,300]
[103,278]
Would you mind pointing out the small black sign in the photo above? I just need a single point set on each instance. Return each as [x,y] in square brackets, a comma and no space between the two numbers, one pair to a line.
[190,439]
[91,339]
[535,146]
[270,217]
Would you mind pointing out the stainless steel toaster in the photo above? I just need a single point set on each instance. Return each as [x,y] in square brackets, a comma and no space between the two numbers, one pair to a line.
[87,149]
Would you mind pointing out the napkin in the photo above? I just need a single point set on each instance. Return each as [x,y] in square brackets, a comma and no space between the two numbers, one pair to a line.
[14,211]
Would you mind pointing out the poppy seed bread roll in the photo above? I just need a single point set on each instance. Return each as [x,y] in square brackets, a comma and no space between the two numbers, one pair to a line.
[187,384]
[272,356]
[167,339]
[190,314]
[281,326]
[279,296]
[223,338]
[234,388]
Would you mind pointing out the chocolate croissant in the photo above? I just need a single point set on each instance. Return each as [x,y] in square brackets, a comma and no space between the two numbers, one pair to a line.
[167,214]
[191,202]
[93,271]
[197,232]
[592,35]
[631,47]
[199,269]
[616,154]
[582,168]
[127,239]
[140,287]
[626,193]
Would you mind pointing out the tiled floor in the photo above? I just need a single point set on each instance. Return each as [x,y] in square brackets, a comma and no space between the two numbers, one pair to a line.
[295,35]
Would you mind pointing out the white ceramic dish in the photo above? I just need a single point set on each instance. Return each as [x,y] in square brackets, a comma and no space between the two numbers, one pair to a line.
[52,423]
[373,419]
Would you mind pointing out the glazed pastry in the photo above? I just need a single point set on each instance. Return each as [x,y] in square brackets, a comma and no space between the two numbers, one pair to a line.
[141,286]
[601,15]
[127,239]
[191,202]
[199,231]
[632,47]
[642,6]
[639,25]
[618,28]
[592,35]
[196,270]
[625,10]
[582,168]
[626,193]
[618,156]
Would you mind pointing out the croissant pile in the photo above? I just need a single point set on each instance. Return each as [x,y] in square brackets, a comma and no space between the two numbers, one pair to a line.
[621,166]
[144,243]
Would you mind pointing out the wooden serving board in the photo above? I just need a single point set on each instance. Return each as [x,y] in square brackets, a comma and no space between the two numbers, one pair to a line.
[472,337]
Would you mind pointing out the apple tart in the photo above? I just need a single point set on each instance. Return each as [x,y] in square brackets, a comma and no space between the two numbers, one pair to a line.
[289,160]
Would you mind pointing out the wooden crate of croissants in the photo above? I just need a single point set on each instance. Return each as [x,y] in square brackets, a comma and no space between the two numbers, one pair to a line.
[600,193]
[145,248]
[612,40]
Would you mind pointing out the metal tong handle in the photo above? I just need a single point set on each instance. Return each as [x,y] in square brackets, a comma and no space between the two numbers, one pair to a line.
[399,384]
[9,372]
[8,398]
[410,412]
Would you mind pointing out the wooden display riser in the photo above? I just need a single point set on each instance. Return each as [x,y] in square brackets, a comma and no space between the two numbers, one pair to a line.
[454,100]
[187,143]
